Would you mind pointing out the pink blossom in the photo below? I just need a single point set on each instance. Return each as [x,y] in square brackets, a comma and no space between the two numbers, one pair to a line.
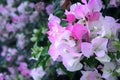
[1,76]
[109,27]
[22,66]
[70,17]
[37,73]
[9,58]
[103,59]
[10,2]
[33,16]
[71,63]
[12,51]
[54,18]
[32,5]
[25,72]
[23,69]
[19,18]
[10,9]
[20,57]
[64,48]
[55,28]
[90,75]
[20,40]
[113,3]
[15,18]
[10,28]
[97,46]
[93,16]
[53,52]
[85,38]
[87,49]
[23,18]
[11,70]
[19,26]
[4,50]
[108,70]
[3,11]
[40,6]
[79,31]
[93,5]
[81,11]
[49,9]
[63,39]
[95,26]
[22,6]
[1,8]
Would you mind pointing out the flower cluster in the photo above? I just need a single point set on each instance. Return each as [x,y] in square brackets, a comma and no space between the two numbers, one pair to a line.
[18,18]
[114,3]
[14,17]
[87,35]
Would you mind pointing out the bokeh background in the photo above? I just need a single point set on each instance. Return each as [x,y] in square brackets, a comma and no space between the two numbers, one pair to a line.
[24,43]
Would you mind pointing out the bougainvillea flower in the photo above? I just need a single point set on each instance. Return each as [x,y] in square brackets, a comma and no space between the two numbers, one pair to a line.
[54,18]
[87,49]
[108,70]
[109,27]
[81,11]
[23,69]
[53,52]
[93,5]
[62,45]
[93,16]
[90,75]
[55,28]
[70,17]
[103,59]
[1,76]
[114,3]
[78,31]
[65,49]
[10,28]
[86,35]
[97,46]
[37,73]
[71,63]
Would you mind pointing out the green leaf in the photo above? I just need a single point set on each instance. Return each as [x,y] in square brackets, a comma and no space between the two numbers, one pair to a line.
[116,44]
[36,51]
[118,55]
[106,2]
[112,56]
[64,23]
